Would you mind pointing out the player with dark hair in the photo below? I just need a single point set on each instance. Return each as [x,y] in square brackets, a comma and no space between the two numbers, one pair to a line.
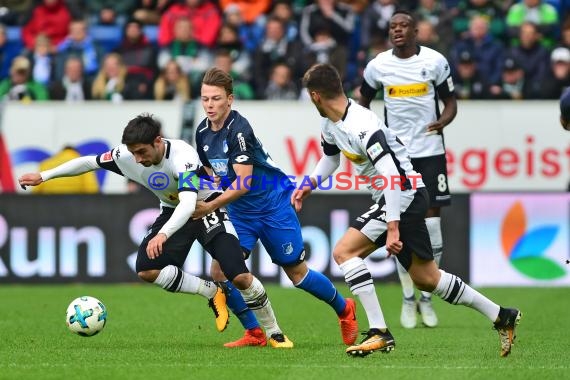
[257,196]
[395,219]
[170,169]
[414,79]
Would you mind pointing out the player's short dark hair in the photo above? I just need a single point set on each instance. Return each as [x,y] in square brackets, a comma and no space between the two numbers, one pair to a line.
[219,78]
[143,129]
[405,12]
[324,79]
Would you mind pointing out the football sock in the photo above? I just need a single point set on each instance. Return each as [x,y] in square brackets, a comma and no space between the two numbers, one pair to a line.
[173,279]
[256,299]
[453,290]
[238,306]
[321,287]
[359,281]
[434,228]
[405,280]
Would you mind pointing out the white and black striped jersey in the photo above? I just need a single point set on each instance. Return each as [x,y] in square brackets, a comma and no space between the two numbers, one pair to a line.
[178,171]
[362,138]
[412,87]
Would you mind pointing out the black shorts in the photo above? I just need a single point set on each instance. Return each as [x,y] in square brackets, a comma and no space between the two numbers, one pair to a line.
[214,232]
[413,231]
[434,174]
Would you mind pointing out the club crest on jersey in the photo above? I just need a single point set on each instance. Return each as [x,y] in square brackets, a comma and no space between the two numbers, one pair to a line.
[287,248]
[225,146]
[220,166]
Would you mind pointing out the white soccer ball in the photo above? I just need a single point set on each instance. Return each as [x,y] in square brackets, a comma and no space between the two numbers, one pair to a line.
[86,316]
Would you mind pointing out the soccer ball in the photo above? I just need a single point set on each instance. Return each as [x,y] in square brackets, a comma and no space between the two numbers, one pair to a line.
[86,316]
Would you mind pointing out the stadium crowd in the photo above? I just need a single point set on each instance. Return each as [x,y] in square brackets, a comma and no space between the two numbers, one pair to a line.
[116,50]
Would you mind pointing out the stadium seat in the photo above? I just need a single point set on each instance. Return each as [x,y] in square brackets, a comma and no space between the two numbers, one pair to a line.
[106,36]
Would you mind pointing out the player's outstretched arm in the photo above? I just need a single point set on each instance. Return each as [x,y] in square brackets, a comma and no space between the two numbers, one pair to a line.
[30,179]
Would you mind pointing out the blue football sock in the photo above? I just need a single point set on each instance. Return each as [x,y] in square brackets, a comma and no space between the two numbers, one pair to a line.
[239,308]
[321,287]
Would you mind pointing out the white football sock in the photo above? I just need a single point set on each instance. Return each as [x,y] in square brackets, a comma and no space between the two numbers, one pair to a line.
[256,299]
[434,228]
[359,281]
[405,280]
[174,279]
[453,290]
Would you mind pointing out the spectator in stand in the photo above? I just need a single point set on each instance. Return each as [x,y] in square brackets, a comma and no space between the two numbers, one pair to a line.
[8,50]
[251,11]
[467,81]
[242,90]
[533,58]
[337,18]
[512,86]
[109,12]
[325,49]
[376,21]
[487,53]
[281,85]
[558,78]
[440,18]
[109,84]
[544,15]
[203,15]
[43,61]
[73,87]
[565,34]
[193,57]
[50,17]
[229,40]
[78,43]
[139,55]
[250,34]
[276,47]
[172,84]
[15,12]
[427,36]
[148,12]
[484,8]
[20,86]
[283,10]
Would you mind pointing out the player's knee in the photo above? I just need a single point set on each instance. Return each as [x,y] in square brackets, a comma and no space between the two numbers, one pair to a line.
[147,275]
[425,282]
[243,281]
[340,255]
[216,272]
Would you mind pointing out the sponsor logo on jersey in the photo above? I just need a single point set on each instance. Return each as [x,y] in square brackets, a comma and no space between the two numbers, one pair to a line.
[407,90]
[374,151]
[357,159]
[107,157]
[241,142]
[220,166]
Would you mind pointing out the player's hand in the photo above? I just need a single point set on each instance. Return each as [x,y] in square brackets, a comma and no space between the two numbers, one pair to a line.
[202,209]
[30,179]
[434,127]
[154,246]
[393,243]
[298,196]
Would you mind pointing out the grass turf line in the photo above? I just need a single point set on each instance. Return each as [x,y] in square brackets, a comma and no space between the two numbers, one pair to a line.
[154,334]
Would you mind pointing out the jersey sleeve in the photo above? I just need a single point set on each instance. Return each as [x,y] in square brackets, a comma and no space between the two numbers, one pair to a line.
[370,84]
[329,146]
[107,161]
[241,145]
[200,149]
[443,80]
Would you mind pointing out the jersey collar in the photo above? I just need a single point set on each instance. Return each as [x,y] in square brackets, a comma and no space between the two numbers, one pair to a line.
[346,110]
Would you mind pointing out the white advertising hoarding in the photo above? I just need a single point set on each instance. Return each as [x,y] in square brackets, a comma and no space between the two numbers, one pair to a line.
[33,132]
[491,146]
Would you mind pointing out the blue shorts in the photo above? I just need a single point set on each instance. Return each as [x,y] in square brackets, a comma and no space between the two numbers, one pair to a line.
[279,232]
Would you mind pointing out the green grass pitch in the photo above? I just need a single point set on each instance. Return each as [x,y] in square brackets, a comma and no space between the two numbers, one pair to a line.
[152,334]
